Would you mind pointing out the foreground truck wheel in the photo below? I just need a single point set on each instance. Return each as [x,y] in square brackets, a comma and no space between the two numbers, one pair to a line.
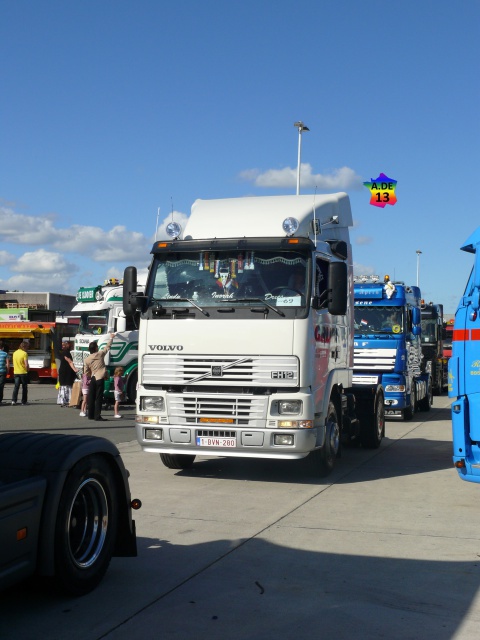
[322,460]
[86,526]
[177,460]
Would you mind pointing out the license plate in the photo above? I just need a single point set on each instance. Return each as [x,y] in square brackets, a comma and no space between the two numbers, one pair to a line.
[391,412]
[203,441]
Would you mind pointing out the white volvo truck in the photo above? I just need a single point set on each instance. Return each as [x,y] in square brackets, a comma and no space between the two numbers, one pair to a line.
[246,335]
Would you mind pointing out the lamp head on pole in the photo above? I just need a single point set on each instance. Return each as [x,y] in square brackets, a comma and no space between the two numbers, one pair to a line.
[300,126]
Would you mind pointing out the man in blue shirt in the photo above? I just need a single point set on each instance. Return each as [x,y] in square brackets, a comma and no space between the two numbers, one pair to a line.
[4,367]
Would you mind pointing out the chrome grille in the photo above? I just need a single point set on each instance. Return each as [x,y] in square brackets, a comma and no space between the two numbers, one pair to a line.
[254,371]
[215,433]
[247,411]
[374,359]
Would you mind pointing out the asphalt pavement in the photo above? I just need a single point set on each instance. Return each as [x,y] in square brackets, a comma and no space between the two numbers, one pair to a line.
[385,547]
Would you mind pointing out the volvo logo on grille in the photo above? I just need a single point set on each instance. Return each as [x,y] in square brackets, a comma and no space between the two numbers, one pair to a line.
[165,347]
[217,371]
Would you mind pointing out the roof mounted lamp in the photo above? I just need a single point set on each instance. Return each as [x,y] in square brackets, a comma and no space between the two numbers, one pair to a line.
[173,230]
[290,225]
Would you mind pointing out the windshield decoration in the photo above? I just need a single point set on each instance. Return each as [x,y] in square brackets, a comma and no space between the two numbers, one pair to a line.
[226,281]
[389,287]
[205,278]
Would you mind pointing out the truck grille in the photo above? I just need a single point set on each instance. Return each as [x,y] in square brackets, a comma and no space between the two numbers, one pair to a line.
[374,359]
[247,411]
[253,371]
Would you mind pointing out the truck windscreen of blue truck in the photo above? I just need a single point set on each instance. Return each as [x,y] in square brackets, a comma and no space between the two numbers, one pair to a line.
[386,319]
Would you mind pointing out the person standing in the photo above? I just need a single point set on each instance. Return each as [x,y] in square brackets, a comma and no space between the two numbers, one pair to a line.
[20,372]
[94,366]
[67,374]
[4,367]
[118,389]
[85,387]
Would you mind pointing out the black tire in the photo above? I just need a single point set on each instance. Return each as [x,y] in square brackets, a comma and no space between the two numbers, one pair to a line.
[177,460]
[373,425]
[322,460]
[426,403]
[132,387]
[83,549]
[409,412]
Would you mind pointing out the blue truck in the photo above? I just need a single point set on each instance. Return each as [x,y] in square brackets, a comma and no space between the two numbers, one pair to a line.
[464,372]
[387,345]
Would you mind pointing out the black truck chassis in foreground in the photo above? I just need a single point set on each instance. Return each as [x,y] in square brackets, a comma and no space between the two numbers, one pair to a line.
[65,509]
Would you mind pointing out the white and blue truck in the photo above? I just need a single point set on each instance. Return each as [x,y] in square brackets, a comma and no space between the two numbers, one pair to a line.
[388,349]
[246,335]
[464,372]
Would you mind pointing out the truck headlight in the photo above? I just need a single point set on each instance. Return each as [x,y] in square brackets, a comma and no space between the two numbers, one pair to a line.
[290,407]
[395,387]
[152,403]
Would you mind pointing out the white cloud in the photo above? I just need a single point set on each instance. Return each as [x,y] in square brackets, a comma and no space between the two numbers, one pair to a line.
[115,245]
[363,240]
[40,271]
[7,258]
[286,178]
[362,269]
[59,254]
[42,262]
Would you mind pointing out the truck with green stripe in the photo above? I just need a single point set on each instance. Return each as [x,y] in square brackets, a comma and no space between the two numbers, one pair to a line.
[101,312]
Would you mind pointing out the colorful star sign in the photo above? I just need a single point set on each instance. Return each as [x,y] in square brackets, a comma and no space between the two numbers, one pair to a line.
[382,190]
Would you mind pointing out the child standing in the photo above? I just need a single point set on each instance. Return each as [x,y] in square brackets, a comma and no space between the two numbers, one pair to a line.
[118,386]
[85,385]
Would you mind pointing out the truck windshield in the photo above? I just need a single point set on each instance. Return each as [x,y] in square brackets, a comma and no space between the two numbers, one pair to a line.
[207,278]
[94,322]
[378,320]
[429,330]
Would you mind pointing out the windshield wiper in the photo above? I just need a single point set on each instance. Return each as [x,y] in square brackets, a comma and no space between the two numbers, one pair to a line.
[259,300]
[192,302]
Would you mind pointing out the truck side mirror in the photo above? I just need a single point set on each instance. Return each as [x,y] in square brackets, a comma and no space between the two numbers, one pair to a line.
[121,325]
[416,330]
[337,288]
[416,318]
[130,291]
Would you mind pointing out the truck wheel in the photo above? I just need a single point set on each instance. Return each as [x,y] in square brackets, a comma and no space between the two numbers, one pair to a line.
[409,412]
[426,403]
[177,460]
[373,425]
[323,460]
[132,387]
[86,526]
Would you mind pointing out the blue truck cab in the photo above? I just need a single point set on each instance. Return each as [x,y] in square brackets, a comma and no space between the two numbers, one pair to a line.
[464,373]
[387,345]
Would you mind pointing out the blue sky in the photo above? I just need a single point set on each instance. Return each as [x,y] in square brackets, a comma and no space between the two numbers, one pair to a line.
[112,109]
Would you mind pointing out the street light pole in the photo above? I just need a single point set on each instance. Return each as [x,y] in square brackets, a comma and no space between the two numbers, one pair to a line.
[418,266]
[156,227]
[301,127]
